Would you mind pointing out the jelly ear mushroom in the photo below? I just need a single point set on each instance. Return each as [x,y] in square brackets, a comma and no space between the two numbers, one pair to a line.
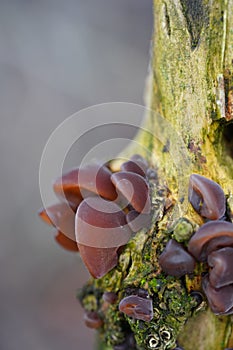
[221,263]
[220,300]
[66,242]
[62,217]
[175,260]
[137,307]
[92,319]
[136,164]
[87,180]
[206,197]
[137,221]
[66,187]
[134,188]
[209,237]
[100,229]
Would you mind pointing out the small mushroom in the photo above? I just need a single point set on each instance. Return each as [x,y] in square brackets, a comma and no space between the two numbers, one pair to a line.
[137,307]
[137,221]
[136,164]
[206,197]
[220,300]
[221,263]
[209,237]
[110,297]
[92,319]
[97,179]
[62,217]
[66,242]
[100,229]
[175,260]
[134,188]
[82,182]
[66,187]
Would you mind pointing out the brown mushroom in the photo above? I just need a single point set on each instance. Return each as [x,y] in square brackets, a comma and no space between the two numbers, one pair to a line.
[62,217]
[134,188]
[92,319]
[137,164]
[137,307]
[221,263]
[110,297]
[206,197]
[66,242]
[137,221]
[100,229]
[66,187]
[175,260]
[220,300]
[209,237]
[82,182]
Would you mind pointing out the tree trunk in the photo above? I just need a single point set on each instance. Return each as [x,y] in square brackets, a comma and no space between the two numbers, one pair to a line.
[192,89]
[190,96]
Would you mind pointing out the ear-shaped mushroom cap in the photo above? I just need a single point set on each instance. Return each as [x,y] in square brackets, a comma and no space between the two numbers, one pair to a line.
[84,181]
[66,242]
[220,300]
[100,229]
[92,319]
[66,187]
[137,221]
[110,297]
[136,164]
[62,217]
[221,262]
[137,307]
[209,237]
[97,179]
[134,188]
[101,224]
[175,260]
[98,261]
[206,197]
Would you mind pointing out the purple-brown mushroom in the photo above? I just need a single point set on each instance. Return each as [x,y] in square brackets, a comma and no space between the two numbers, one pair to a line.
[66,187]
[220,299]
[100,228]
[66,242]
[209,237]
[137,164]
[92,319]
[62,217]
[135,189]
[110,297]
[137,221]
[175,260]
[221,263]
[82,182]
[137,307]
[206,197]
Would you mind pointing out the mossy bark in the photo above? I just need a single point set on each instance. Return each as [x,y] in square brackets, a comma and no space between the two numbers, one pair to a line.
[192,89]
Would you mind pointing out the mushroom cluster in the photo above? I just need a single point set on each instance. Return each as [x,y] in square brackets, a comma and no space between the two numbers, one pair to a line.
[99,210]
[211,244]
[138,306]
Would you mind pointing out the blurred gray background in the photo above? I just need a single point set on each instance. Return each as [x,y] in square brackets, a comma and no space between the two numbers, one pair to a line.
[56,57]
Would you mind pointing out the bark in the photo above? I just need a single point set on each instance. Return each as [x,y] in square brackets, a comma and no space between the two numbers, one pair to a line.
[192,89]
